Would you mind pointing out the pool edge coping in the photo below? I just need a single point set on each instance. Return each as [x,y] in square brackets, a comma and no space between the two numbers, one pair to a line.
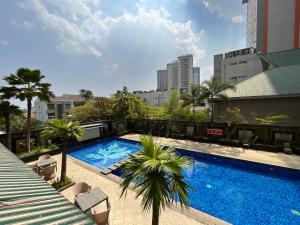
[191,212]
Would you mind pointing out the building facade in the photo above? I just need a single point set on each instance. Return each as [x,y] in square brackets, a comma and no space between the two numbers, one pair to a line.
[172,71]
[57,108]
[237,66]
[275,91]
[162,80]
[153,98]
[185,72]
[196,75]
[273,25]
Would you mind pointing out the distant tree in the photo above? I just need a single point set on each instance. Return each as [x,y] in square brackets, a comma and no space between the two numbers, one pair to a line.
[86,94]
[6,111]
[25,85]
[233,117]
[67,130]
[193,98]
[124,101]
[157,175]
[211,89]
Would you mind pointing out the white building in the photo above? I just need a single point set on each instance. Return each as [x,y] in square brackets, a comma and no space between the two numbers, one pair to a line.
[237,66]
[154,98]
[162,80]
[273,25]
[185,72]
[172,71]
[57,108]
[196,75]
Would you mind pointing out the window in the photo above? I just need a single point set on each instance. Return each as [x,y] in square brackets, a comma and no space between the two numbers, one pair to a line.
[241,62]
[67,107]
[51,116]
[51,106]
[233,78]
[234,63]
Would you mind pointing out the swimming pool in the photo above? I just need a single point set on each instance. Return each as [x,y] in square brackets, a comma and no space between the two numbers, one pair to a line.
[236,191]
[103,154]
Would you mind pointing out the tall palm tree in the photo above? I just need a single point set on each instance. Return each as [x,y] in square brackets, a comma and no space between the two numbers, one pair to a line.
[67,130]
[193,98]
[212,89]
[25,85]
[6,110]
[125,101]
[156,174]
[173,105]
[86,94]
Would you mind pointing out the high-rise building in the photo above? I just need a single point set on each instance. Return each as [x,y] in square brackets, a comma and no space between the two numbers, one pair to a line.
[162,80]
[273,25]
[251,23]
[218,59]
[196,75]
[172,71]
[240,65]
[185,72]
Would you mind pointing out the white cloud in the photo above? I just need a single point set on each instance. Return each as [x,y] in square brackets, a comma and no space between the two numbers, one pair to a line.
[27,24]
[237,19]
[84,31]
[225,9]
[24,24]
[4,42]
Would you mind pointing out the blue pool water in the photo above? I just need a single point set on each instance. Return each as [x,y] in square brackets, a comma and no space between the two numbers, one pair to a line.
[236,191]
[105,153]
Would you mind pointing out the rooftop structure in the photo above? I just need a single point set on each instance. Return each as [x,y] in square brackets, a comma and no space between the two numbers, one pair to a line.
[25,198]
[275,91]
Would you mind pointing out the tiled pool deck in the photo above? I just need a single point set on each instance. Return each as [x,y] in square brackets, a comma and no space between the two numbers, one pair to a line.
[277,159]
[128,211]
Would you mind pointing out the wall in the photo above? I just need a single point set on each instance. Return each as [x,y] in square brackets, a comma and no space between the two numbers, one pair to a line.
[281,20]
[240,68]
[263,107]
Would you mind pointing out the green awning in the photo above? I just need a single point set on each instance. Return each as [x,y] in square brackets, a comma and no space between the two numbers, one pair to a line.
[25,198]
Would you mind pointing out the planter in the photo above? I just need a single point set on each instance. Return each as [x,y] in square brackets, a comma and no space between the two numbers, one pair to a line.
[31,158]
[65,187]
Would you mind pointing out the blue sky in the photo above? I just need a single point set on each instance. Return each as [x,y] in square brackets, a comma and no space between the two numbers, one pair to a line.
[97,44]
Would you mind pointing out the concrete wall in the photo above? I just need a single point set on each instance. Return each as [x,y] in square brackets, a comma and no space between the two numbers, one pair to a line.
[240,68]
[281,21]
[263,107]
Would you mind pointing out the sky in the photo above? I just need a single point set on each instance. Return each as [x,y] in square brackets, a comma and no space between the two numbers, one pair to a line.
[101,44]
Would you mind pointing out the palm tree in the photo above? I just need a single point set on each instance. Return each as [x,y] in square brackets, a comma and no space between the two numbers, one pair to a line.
[193,98]
[66,130]
[25,85]
[173,105]
[125,101]
[86,94]
[6,110]
[211,89]
[156,174]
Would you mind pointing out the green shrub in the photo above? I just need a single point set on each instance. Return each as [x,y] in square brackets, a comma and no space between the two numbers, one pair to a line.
[58,184]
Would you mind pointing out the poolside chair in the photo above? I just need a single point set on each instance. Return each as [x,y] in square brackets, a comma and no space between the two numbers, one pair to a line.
[81,187]
[48,172]
[44,157]
[101,218]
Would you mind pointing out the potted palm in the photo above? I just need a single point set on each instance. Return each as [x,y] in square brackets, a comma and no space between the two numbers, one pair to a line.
[67,131]
[156,175]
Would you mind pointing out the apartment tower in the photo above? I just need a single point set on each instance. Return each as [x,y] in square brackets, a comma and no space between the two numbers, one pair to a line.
[185,72]
[273,25]
[162,80]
